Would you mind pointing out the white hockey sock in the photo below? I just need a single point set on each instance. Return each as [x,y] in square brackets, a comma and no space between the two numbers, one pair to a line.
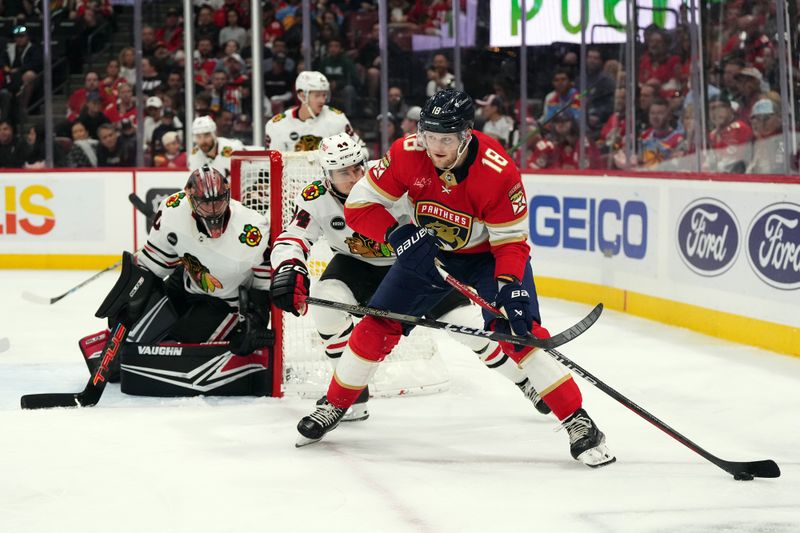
[354,372]
[494,358]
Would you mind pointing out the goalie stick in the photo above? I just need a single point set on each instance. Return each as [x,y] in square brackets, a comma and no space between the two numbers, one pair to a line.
[553,342]
[42,300]
[141,205]
[743,471]
[90,395]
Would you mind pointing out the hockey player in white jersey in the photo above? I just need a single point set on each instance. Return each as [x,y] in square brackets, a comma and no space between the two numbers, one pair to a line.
[302,127]
[209,149]
[208,247]
[357,268]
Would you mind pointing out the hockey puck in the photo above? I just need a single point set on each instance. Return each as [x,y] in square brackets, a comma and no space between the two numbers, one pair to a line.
[743,476]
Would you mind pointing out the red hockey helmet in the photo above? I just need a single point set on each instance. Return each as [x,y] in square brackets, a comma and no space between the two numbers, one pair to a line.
[210,196]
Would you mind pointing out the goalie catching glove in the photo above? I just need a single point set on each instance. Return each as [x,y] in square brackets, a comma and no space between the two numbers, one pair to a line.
[290,285]
[253,330]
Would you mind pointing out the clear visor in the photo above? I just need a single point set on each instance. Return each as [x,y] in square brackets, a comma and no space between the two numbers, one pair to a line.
[210,208]
[348,175]
[431,140]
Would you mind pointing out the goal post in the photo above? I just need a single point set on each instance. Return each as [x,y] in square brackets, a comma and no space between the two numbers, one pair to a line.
[269,182]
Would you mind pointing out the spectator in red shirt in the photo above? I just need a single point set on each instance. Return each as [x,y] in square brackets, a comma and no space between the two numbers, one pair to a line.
[204,61]
[91,83]
[749,42]
[172,32]
[612,135]
[101,7]
[657,64]
[242,7]
[110,84]
[730,140]
[124,107]
[559,149]
[660,141]
[173,156]
[272,28]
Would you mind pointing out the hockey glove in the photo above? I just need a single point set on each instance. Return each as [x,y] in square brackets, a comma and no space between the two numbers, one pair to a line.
[416,248]
[253,330]
[515,302]
[290,285]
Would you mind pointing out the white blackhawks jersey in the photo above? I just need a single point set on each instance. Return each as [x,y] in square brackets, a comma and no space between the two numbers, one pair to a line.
[320,214]
[212,267]
[222,162]
[287,133]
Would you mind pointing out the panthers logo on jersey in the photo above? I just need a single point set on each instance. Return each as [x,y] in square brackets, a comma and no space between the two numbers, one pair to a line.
[452,227]
[175,199]
[313,191]
[251,236]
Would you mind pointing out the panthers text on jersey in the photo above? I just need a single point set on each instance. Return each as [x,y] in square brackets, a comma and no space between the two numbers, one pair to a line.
[222,161]
[478,207]
[287,133]
[213,267]
[318,213]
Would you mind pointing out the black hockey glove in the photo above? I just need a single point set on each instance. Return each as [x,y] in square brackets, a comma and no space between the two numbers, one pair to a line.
[416,248]
[515,302]
[290,285]
[253,330]
[128,299]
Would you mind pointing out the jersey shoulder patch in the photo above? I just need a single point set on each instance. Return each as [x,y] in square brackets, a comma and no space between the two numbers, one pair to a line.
[194,150]
[313,190]
[278,117]
[226,151]
[337,111]
[251,236]
[175,199]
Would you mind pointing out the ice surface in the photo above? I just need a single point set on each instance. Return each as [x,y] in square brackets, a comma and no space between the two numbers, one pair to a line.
[475,458]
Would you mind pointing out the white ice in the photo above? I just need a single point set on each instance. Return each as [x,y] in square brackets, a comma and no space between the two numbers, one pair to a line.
[475,458]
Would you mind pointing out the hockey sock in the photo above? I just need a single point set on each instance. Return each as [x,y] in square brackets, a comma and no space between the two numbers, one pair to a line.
[335,343]
[554,383]
[494,358]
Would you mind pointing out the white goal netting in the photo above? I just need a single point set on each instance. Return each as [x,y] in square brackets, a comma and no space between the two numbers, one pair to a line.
[262,180]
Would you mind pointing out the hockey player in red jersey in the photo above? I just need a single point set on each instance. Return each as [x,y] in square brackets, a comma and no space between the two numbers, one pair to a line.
[471,213]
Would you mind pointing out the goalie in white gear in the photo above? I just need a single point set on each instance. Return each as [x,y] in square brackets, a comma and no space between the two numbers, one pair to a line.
[302,127]
[357,268]
[211,150]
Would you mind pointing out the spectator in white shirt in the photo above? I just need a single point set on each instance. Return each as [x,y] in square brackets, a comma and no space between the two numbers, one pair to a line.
[497,125]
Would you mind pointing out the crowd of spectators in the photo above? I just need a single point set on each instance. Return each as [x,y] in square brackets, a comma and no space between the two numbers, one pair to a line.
[743,107]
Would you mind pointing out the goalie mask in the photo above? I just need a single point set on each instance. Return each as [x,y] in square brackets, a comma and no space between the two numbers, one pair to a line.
[210,196]
[344,163]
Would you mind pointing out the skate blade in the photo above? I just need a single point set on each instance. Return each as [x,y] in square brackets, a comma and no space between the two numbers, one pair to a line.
[305,441]
[596,457]
[356,413]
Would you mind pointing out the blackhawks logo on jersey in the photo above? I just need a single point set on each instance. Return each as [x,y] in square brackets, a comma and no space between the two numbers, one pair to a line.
[175,199]
[227,151]
[251,236]
[313,190]
[452,227]
[200,273]
[366,247]
[307,143]
[278,117]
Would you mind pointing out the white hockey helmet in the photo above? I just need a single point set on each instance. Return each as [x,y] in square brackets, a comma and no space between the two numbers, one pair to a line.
[311,80]
[340,151]
[203,125]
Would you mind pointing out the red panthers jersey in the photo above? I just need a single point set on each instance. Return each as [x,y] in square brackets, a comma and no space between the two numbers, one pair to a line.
[479,207]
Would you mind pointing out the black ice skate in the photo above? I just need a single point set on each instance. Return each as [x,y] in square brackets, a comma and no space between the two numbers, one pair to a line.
[586,442]
[314,426]
[527,389]
[358,411]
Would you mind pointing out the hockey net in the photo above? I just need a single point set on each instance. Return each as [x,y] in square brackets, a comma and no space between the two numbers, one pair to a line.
[269,182]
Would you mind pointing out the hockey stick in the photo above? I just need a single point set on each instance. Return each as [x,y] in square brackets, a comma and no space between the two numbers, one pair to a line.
[90,395]
[744,471]
[37,299]
[553,342]
[141,205]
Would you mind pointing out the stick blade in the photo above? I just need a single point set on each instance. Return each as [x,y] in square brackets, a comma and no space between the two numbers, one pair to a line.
[49,400]
[749,470]
[569,334]
[36,299]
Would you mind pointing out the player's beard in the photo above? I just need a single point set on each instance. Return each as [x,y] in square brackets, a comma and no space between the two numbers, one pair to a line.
[443,162]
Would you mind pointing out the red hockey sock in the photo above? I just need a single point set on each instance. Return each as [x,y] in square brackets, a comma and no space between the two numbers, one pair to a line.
[341,396]
[564,397]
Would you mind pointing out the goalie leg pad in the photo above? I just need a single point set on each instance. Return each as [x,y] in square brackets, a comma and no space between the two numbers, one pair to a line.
[91,347]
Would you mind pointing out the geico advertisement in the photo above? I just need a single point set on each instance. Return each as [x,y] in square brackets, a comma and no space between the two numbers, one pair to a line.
[50,208]
[586,224]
